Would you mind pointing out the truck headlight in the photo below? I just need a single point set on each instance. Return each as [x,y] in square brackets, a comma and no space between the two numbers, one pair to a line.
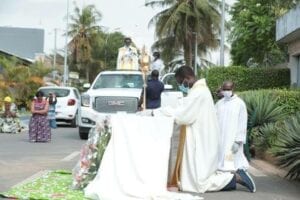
[85,100]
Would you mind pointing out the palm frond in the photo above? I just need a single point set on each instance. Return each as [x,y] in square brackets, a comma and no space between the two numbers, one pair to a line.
[159,3]
[183,19]
[262,108]
[287,147]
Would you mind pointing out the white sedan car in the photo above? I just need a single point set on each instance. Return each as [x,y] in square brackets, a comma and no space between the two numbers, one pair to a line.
[68,102]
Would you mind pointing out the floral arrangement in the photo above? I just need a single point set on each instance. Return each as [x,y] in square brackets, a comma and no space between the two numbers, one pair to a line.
[91,154]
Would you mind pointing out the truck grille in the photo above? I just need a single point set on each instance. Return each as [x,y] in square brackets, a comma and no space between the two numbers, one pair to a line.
[112,104]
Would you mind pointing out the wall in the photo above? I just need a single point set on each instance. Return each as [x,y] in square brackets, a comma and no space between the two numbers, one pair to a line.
[288,32]
[288,26]
[22,42]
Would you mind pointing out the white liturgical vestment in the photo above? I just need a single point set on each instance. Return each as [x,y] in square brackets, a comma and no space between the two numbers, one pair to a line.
[127,58]
[232,116]
[200,155]
[135,162]
[158,65]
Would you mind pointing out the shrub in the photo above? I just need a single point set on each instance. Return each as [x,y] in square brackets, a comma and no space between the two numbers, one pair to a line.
[248,78]
[266,136]
[288,99]
[262,108]
[287,147]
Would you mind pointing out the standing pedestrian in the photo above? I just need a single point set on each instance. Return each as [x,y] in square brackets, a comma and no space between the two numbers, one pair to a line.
[51,112]
[157,63]
[39,129]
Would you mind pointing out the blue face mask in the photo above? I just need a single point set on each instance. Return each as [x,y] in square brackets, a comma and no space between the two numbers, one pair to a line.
[183,88]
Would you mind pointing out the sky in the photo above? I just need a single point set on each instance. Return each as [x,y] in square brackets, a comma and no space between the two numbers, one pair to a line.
[130,17]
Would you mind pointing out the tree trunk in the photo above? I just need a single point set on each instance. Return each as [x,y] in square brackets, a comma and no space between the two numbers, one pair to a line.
[87,70]
[188,53]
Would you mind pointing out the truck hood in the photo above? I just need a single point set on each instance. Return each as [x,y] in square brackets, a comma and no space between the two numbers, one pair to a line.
[125,92]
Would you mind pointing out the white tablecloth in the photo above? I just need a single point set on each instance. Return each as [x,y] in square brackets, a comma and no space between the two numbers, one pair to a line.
[135,163]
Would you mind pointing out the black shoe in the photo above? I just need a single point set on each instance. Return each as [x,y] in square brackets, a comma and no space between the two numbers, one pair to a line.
[247,180]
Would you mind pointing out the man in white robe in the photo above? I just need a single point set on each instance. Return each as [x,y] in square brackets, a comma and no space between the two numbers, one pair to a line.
[199,168]
[157,64]
[232,117]
[127,57]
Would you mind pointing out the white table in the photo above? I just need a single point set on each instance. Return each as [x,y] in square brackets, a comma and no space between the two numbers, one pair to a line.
[135,163]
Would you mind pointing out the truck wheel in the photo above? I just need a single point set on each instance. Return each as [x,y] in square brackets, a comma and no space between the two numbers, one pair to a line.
[83,133]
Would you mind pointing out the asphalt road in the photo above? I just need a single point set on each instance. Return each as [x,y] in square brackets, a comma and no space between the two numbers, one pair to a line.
[21,160]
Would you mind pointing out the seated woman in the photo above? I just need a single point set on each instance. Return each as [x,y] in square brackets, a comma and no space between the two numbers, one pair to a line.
[10,123]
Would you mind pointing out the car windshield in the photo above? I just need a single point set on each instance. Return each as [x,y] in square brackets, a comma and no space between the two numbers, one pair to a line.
[119,81]
[57,91]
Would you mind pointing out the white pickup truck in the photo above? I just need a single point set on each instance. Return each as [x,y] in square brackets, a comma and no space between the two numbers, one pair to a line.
[118,91]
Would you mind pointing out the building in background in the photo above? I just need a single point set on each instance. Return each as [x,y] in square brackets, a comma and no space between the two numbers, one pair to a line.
[24,43]
[288,32]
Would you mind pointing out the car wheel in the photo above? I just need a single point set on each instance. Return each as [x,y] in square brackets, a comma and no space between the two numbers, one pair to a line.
[74,121]
[83,133]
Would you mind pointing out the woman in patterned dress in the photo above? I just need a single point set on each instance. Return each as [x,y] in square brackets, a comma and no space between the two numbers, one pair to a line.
[39,129]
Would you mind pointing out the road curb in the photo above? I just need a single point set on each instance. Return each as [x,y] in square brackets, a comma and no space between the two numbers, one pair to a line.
[268,168]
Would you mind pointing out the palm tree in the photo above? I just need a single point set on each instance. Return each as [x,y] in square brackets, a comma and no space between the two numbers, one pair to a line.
[21,82]
[183,23]
[83,28]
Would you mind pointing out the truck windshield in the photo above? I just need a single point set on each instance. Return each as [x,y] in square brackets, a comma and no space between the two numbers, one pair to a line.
[119,81]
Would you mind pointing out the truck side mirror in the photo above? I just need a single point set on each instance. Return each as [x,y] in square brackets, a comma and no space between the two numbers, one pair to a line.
[168,87]
[86,86]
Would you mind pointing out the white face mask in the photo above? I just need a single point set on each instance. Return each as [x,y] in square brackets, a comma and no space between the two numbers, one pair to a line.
[227,94]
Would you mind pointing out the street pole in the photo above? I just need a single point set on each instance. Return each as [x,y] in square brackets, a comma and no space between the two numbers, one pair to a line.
[105,51]
[196,55]
[66,48]
[54,56]
[222,33]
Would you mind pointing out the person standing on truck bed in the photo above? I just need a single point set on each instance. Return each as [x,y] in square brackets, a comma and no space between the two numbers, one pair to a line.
[127,56]
[153,92]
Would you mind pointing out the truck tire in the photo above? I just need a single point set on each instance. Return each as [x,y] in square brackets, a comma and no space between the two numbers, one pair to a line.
[83,133]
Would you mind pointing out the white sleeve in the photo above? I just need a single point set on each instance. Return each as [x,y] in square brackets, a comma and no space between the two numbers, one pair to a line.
[135,58]
[242,125]
[162,68]
[119,59]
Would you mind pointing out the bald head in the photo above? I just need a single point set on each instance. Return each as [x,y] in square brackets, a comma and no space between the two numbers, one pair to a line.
[154,74]
[227,85]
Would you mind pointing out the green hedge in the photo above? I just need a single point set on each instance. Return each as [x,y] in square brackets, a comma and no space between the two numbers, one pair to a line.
[267,108]
[248,78]
[289,99]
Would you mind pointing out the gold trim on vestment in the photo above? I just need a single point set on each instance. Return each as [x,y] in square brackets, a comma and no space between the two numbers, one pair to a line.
[175,180]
